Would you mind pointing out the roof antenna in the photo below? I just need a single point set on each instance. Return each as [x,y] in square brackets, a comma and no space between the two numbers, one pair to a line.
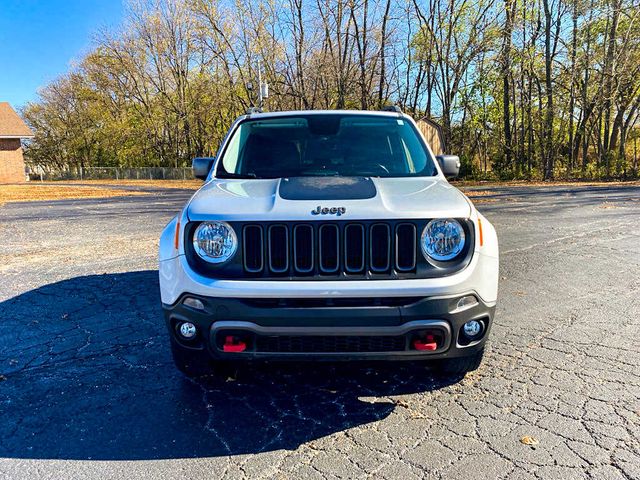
[263,92]
[263,88]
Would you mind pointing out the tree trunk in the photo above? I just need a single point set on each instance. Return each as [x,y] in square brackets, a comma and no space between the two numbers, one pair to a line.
[574,46]
[383,45]
[548,121]
[506,70]
[609,73]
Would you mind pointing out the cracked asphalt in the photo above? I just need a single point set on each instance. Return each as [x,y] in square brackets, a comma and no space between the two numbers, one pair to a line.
[88,389]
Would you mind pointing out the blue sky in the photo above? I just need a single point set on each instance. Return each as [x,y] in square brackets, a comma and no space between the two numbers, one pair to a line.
[39,40]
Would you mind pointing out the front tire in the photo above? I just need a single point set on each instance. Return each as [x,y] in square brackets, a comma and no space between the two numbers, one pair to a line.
[460,366]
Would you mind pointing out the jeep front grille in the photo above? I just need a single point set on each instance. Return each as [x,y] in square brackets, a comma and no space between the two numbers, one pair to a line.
[329,248]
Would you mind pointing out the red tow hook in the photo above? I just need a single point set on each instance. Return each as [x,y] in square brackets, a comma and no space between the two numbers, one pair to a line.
[429,343]
[233,344]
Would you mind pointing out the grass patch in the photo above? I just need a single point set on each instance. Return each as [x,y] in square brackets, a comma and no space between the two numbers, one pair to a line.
[35,192]
[479,193]
[555,183]
[181,184]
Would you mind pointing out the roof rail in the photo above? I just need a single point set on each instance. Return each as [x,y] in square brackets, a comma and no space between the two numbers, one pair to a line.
[391,108]
[251,110]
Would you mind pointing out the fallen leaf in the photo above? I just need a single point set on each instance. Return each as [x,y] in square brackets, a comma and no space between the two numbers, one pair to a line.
[607,205]
[527,440]
[328,390]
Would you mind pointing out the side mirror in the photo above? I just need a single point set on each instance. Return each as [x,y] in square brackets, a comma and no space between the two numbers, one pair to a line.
[201,167]
[450,165]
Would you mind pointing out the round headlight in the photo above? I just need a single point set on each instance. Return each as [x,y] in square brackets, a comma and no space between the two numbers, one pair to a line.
[215,242]
[442,239]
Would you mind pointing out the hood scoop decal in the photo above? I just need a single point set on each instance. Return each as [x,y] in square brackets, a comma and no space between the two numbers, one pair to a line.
[327,188]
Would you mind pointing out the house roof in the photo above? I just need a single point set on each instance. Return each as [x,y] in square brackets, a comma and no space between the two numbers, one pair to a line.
[431,121]
[11,125]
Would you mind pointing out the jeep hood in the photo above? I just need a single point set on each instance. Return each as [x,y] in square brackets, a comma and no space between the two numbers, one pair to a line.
[296,199]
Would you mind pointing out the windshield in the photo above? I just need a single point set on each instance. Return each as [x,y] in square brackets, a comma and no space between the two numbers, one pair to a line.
[325,144]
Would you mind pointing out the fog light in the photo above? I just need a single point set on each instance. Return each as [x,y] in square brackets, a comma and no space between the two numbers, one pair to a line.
[472,329]
[187,330]
[193,303]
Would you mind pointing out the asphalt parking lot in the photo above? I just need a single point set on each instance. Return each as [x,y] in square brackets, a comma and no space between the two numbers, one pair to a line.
[88,389]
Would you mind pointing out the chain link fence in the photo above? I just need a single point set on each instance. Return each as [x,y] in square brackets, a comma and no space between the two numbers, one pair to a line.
[116,173]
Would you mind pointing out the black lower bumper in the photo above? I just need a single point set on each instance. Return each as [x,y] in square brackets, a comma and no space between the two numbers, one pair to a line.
[333,329]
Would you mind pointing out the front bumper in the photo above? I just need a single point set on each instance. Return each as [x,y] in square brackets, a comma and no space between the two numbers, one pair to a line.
[356,328]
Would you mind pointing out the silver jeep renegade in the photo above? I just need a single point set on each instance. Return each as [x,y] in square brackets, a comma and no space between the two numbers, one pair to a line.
[330,235]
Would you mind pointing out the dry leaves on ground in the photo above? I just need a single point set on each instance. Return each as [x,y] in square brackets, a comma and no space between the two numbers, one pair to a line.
[528,440]
[31,192]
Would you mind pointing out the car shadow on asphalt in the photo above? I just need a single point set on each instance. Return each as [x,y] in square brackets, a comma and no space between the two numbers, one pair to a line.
[86,373]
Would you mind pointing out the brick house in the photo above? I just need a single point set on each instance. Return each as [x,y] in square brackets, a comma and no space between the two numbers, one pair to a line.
[12,130]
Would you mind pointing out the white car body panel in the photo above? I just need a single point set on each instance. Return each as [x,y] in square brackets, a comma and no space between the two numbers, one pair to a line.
[176,278]
[258,200]
[396,198]
[480,277]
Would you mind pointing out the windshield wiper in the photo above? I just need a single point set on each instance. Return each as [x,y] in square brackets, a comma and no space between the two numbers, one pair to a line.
[317,173]
[239,176]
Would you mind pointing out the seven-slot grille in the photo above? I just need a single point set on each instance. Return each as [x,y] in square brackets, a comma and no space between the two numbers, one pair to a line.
[329,248]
